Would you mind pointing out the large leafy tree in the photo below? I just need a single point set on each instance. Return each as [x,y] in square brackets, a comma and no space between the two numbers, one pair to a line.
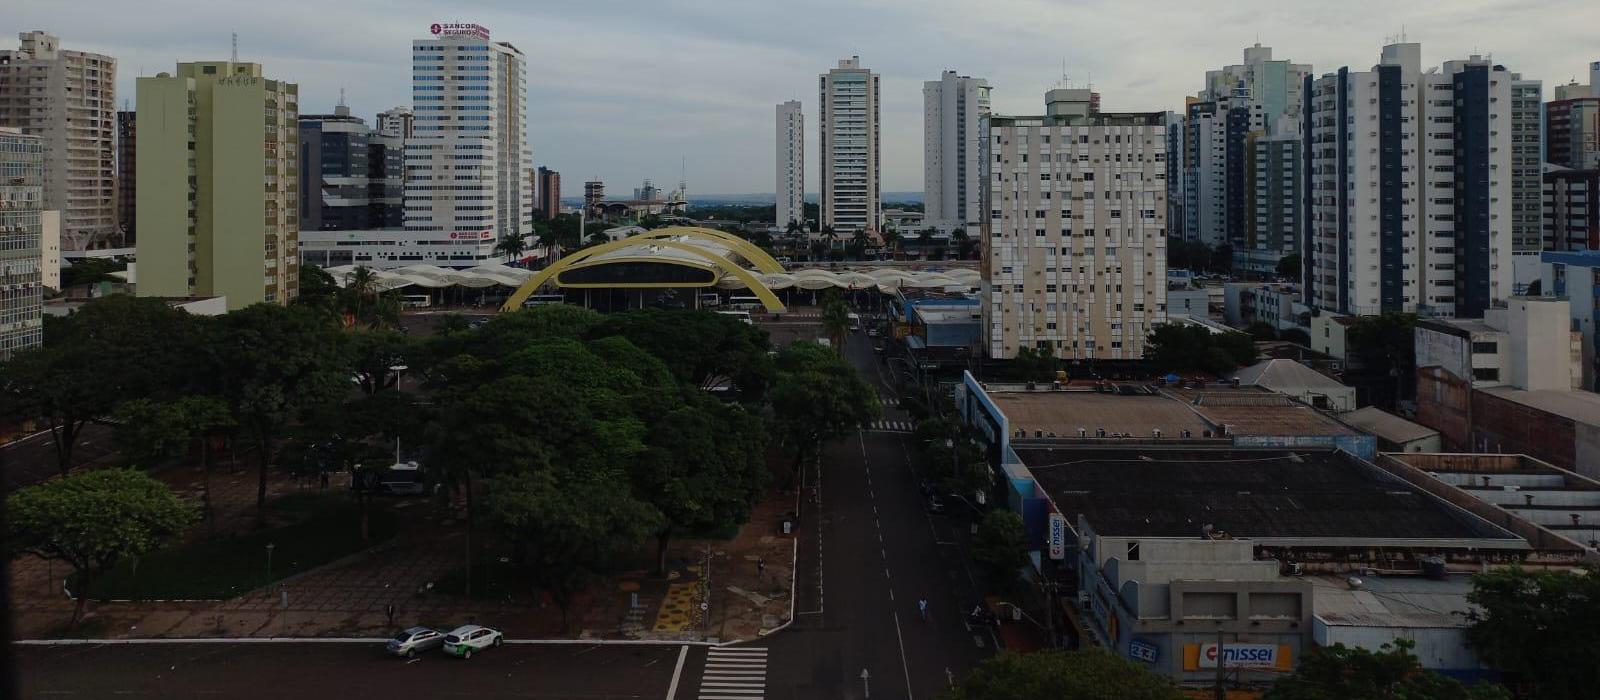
[269,363]
[1391,673]
[836,320]
[1175,347]
[1541,626]
[701,348]
[149,431]
[93,520]
[703,469]
[1090,674]
[1384,346]
[113,349]
[1000,546]
[818,397]
[374,353]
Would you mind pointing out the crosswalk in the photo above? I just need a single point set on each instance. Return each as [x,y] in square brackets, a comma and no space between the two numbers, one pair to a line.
[889,401]
[734,673]
[892,426]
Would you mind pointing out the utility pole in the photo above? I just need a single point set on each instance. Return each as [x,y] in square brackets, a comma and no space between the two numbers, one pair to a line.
[1222,673]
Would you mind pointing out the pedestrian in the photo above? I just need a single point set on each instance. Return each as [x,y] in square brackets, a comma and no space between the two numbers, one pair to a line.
[388,611]
[922,608]
[761,567]
[324,478]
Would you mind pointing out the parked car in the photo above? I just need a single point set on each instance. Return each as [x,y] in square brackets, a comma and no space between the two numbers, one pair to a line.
[465,640]
[410,642]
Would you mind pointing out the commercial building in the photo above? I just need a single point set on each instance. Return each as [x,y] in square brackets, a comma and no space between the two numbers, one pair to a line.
[127,180]
[1506,384]
[1395,434]
[1299,382]
[218,174]
[351,178]
[953,108]
[1074,243]
[790,183]
[397,121]
[847,128]
[468,156]
[940,327]
[1554,509]
[22,184]
[1572,131]
[1275,304]
[549,195]
[1410,186]
[67,98]
[1575,276]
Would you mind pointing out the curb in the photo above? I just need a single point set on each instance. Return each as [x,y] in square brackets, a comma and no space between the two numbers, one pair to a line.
[794,564]
[337,640]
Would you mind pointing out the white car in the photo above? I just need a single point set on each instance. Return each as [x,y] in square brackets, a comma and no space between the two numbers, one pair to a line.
[466,639]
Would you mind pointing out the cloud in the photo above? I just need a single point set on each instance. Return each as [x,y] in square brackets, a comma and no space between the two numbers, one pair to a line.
[627,90]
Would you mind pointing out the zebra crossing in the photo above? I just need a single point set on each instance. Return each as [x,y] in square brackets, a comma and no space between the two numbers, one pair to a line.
[893,426]
[734,673]
[889,401]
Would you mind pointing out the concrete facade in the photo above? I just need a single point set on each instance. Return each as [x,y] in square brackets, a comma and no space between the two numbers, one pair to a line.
[1571,209]
[549,193]
[218,184]
[847,130]
[790,178]
[22,178]
[1074,245]
[68,99]
[953,108]
[1576,276]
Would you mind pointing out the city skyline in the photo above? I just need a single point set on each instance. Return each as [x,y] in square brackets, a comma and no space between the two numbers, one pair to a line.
[711,81]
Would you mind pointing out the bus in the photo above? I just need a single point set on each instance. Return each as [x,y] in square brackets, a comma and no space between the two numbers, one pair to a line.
[416,301]
[743,316]
[543,300]
[745,303]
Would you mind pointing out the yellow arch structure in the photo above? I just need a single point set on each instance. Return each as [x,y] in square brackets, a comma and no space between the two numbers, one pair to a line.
[749,251]
[768,299]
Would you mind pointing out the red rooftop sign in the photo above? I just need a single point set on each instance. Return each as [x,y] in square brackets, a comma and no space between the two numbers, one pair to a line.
[451,29]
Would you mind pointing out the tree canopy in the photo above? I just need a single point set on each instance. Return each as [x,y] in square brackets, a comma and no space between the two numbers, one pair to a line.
[1392,673]
[1174,347]
[1542,627]
[818,397]
[1090,674]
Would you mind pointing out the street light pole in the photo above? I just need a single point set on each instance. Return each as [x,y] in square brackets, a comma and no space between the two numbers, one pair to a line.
[270,547]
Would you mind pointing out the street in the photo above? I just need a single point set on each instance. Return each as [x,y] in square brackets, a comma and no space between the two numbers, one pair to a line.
[858,629]
[33,459]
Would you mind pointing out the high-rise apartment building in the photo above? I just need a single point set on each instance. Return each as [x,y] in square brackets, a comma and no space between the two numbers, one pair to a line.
[1245,112]
[1571,90]
[469,153]
[790,184]
[68,98]
[549,193]
[351,178]
[1074,241]
[396,121]
[218,195]
[847,125]
[1527,164]
[22,178]
[1571,209]
[127,181]
[953,108]
[1572,132]
[1410,184]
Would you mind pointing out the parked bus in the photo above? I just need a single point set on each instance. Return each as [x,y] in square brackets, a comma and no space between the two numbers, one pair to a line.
[745,303]
[416,301]
[543,300]
[743,316]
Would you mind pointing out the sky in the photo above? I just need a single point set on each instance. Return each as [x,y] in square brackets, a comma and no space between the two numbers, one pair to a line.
[626,90]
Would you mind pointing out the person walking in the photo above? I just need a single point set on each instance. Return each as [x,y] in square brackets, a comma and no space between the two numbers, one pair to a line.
[922,608]
[761,567]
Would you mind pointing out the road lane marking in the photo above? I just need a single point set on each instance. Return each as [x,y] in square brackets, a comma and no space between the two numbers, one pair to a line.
[904,667]
[672,690]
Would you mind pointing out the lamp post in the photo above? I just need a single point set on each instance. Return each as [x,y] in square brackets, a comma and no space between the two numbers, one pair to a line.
[399,372]
[270,547]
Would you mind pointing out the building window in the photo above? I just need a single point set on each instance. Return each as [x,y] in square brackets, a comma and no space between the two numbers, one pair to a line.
[1486,374]
[1485,348]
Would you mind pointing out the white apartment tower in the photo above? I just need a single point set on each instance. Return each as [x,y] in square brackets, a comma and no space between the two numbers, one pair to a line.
[791,158]
[68,99]
[469,154]
[396,121]
[953,108]
[847,109]
[1410,182]
[1075,236]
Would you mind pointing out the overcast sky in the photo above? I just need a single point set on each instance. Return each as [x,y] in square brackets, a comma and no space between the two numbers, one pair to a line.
[629,89]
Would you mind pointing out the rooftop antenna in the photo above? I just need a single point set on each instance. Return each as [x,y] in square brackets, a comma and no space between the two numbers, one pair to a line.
[235,47]
[341,97]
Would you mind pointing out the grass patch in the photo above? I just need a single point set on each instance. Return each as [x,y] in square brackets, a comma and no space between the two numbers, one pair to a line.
[230,566]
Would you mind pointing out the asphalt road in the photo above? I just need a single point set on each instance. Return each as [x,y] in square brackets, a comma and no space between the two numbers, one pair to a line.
[33,459]
[337,670]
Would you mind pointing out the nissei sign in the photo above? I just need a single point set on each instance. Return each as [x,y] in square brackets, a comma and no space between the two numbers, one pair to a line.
[1058,536]
[1240,655]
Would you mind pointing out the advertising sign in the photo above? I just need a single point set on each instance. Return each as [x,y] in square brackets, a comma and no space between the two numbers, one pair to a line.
[454,29]
[1058,536]
[1240,655]
[1142,651]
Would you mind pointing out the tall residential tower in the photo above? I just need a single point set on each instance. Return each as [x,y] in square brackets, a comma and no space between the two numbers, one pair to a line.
[847,125]
[953,108]
[67,98]
[218,173]
[22,160]
[791,167]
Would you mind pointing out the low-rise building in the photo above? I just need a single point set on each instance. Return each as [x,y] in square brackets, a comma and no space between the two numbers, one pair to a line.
[1575,275]
[1293,379]
[1277,305]
[1395,434]
[1330,334]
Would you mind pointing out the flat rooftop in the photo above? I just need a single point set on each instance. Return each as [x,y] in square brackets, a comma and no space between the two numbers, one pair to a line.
[1064,412]
[1392,601]
[1152,491]
[1387,425]
[1580,406]
[1254,410]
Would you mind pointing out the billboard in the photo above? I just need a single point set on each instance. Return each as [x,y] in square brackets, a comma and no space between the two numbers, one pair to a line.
[1057,537]
[457,29]
[1237,655]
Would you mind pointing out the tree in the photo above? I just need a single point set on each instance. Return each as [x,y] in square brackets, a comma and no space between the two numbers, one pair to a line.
[113,349]
[1297,336]
[1175,347]
[204,418]
[701,348]
[1392,673]
[318,289]
[1000,546]
[1261,330]
[512,245]
[818,397]
[89,271]
[1384,345]
[268,363]
[94,520]
[1289,266]
[149,431]
[1541,626]
[374,354]
[836,320]
[1090,674]
[1035,364]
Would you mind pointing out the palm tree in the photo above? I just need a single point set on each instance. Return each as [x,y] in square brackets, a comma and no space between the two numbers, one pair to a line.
[829,236]
[512,246]
[861,241]
[836,320]
[359,296]
[891,240]
[795,234]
